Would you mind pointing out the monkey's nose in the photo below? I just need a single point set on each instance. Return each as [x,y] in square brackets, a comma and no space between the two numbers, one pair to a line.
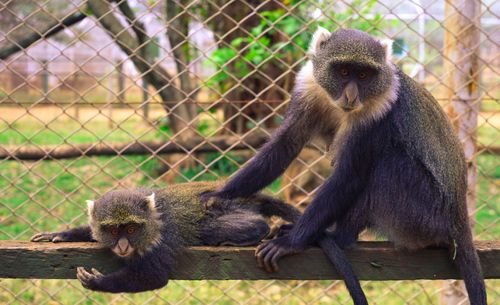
[123,245]
[351,93]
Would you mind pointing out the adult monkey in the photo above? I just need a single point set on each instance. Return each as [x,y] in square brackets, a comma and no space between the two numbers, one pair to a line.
[397,166]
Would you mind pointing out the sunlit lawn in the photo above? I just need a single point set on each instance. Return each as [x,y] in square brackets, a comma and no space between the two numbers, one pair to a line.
[40,196]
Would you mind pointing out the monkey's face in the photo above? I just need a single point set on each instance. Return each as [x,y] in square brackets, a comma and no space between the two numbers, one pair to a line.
[123,239]
[351,67]
[125,221]
[352,85]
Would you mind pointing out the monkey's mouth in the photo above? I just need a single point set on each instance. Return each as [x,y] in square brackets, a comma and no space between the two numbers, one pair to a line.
[348,108]
[123,253]
[347,105]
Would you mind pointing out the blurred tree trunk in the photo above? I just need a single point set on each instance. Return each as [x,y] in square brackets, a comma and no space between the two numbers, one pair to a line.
[229,21]
[138,48]
[461,53]
[177,22]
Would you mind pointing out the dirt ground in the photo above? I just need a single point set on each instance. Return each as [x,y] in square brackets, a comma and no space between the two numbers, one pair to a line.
[48,113]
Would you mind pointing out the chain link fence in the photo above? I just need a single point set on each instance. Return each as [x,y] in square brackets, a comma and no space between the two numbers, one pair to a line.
[96,95]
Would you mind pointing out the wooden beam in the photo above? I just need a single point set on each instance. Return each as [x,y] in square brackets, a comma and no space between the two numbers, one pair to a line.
[193,145]
[375,261]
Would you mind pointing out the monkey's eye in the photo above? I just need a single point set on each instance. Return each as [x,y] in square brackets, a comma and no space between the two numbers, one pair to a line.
[344,72]
[131,229]
[362,75]
[114,231]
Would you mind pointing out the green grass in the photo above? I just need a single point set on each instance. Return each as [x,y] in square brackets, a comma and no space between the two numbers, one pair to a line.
[230,292]
[28,131]
[48,195]
[490,105]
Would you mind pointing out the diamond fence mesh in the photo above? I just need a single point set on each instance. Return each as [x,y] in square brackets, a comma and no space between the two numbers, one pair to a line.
[99,94]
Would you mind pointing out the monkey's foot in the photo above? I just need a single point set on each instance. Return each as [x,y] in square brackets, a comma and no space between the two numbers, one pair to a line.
[49,236]
[89,280]
[271,251]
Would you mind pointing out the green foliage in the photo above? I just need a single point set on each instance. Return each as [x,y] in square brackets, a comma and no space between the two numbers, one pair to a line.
[281,39]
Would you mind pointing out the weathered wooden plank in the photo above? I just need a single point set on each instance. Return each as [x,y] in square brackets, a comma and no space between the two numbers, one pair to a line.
[371,261]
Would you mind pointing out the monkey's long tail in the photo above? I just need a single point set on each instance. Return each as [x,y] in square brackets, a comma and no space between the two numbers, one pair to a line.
[467,262]
[340,262]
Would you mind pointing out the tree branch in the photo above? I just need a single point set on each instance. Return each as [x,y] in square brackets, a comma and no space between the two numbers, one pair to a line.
[192,145]
[49,31]
[154,74]
[137,27]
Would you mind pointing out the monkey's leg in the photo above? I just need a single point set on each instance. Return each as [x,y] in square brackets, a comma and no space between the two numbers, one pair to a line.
[236,228]
[79,234]
[141,274]
[330,205]
[271,160]
[270,206]
[347,229]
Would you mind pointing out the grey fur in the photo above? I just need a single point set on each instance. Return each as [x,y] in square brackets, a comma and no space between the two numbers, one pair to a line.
[397,165]
[180,219]
[165,223]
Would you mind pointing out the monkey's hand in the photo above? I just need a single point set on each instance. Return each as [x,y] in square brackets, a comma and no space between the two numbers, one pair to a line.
[89,280]
[284,229]
[54,237]
[271,251]
[75,234]
[209,199]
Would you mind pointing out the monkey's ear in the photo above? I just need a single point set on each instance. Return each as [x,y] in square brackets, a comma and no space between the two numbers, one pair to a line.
[151,202]
[387,45]
[321,35]
[90,207]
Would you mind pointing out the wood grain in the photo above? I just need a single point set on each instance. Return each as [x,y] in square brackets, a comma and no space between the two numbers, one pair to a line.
[371,260]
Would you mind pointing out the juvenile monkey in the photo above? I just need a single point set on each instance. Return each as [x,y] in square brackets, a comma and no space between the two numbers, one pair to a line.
[397,166]
[147,227]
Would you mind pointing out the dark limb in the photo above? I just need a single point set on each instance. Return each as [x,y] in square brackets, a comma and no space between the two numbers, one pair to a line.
[270,206]
[345,233]
[339,192]
[144,273]
[271,160]
[347,229]
[72,235]
[333,200]
[236,228]
[269,253]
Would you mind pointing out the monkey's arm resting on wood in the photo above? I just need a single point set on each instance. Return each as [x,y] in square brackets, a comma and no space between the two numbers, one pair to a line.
[271,160]
[329,205]
[72,235]
[141,274]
